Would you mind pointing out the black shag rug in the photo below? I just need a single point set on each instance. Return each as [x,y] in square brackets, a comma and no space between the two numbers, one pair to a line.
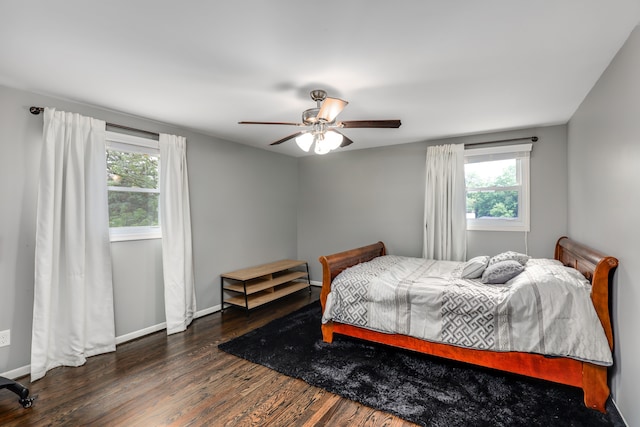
[425,390]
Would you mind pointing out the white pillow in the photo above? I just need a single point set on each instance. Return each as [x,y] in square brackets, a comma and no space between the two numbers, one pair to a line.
[544,261]
[502,272]
[509,255]
[474,268]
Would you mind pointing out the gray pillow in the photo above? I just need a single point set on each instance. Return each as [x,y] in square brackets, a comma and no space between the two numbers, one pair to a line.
[502,272]
[474,268]
[509,255]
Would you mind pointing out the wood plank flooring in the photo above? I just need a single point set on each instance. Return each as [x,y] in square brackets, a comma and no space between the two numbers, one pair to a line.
[184,380]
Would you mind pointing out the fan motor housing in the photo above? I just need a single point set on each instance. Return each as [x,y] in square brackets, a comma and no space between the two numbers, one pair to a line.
[310,116]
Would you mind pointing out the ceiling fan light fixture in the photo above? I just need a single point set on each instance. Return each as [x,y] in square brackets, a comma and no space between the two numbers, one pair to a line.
[321,145]
[321,120]
[304,141]
[333,139]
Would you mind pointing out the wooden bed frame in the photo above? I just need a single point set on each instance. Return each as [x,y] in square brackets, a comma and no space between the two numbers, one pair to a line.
[592,378]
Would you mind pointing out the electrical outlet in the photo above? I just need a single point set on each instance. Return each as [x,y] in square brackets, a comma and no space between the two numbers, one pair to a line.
[5,338]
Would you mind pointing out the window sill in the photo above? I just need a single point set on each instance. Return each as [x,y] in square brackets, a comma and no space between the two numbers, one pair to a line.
[133,234]
[490,227]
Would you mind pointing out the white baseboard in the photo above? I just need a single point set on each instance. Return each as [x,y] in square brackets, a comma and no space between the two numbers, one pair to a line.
[17,373]
[618,409]
[209,310]
[160,326]
[26,370]
[140,333]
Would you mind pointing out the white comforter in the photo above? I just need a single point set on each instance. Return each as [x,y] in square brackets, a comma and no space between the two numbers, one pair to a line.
[546,309]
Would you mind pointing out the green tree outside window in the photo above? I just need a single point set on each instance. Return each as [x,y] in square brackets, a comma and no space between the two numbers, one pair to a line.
[490,196]
[132,179]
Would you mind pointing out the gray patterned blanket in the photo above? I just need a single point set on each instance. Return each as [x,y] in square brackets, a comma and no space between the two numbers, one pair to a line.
[546,309]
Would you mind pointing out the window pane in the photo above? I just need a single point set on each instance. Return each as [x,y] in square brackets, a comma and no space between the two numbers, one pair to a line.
[497,173]
[492,204]
[133,209]
[484,197]
[497,186]
[131,170]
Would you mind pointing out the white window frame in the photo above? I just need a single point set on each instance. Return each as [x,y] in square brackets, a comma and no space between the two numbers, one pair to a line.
[521,153]
[133,144]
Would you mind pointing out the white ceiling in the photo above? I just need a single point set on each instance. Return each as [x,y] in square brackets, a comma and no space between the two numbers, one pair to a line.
[445,68]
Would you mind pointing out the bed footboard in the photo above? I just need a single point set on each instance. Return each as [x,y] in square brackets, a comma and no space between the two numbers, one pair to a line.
[332,265]
[594,385]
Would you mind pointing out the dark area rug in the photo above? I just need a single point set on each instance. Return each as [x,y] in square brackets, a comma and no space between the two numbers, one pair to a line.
[425,390]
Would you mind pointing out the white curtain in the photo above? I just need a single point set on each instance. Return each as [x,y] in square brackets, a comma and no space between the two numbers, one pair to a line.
[73,314]
[445,232]
[175,220]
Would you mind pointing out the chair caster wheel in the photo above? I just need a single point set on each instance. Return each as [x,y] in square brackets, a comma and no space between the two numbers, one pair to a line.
[27,402]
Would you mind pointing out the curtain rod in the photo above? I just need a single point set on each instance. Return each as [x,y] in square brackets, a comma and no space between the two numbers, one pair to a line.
[37,110]
[529,138]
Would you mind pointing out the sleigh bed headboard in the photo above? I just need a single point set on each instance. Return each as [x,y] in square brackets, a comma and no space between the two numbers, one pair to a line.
[598,269]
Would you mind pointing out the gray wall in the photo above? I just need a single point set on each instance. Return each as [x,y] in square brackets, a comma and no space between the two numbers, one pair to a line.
[354,198]
[244,202]
[138,285]
[604,199]
[243,212]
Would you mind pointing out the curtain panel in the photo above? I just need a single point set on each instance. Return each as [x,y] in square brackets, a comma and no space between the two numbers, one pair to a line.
[175,222]
[445,224]
[73,316]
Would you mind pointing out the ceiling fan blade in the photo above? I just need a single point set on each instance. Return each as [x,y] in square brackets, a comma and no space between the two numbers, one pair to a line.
[370,124]
[286,138]
[330,109]
[345,140]
[271,123]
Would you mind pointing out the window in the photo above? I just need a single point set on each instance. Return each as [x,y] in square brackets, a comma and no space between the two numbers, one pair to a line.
[497,184]
[133,187]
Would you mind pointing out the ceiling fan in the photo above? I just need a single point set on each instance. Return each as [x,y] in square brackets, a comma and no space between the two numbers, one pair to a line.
[323,126]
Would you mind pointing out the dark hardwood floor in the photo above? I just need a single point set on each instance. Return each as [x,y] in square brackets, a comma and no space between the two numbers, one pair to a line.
[184,380]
